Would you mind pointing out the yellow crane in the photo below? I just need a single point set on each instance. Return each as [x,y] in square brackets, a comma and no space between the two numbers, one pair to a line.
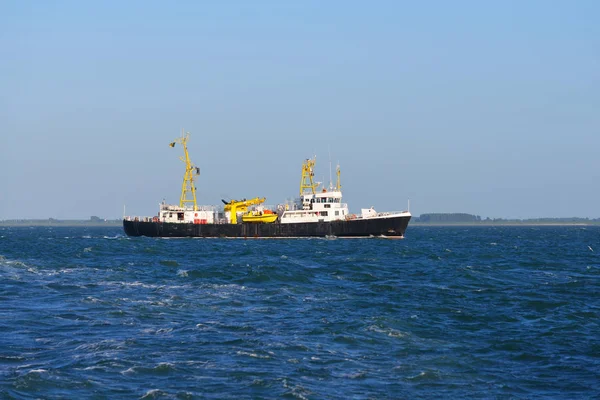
[233,206]
[239,207]
[190,172]
[306,182]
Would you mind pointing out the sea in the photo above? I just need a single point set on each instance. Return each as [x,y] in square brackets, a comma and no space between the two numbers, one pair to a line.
[504,312]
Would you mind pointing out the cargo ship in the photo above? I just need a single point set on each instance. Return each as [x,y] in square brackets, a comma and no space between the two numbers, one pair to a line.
[317,212]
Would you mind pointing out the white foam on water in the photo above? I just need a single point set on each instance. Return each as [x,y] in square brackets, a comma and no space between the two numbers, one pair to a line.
[37,371]
[94,368]
[253,355]
[159,331]
[182,273]
[93,299]
[154,394]
[356,375]
[391,332]
[113,237]
[128,371]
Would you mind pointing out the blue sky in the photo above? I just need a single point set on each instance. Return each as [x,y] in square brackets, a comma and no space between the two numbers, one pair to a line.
[490,108]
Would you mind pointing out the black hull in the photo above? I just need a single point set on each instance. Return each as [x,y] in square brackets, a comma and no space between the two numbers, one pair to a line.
[389,227]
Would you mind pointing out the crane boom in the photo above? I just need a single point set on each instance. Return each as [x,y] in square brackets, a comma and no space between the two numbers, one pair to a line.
[190,172]
[234,205]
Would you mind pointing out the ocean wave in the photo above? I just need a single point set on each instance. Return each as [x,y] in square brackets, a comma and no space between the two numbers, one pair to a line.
[301,318]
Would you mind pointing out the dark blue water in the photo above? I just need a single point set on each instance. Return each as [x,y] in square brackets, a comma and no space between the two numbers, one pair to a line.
[506,312]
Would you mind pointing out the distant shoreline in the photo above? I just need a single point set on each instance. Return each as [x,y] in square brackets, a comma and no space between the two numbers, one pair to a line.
[119,223]
[484,224]
[70,224]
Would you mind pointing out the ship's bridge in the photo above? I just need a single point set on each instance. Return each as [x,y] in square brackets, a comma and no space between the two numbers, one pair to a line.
[322,200]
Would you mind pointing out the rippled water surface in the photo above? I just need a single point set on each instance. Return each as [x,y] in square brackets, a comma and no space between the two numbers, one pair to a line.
[461,312]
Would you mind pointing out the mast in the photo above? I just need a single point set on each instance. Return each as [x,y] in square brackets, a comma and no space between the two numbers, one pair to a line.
[307,176]
[330,180]
[190,172]
[338,185]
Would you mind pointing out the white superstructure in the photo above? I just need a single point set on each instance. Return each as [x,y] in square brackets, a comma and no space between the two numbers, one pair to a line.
[325,206]
[172,213]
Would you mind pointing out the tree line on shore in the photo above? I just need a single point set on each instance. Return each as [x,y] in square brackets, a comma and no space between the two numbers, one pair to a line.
[93,221]
[464,218]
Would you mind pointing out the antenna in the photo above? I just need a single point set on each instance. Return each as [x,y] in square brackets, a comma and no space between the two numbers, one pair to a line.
[330,181]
